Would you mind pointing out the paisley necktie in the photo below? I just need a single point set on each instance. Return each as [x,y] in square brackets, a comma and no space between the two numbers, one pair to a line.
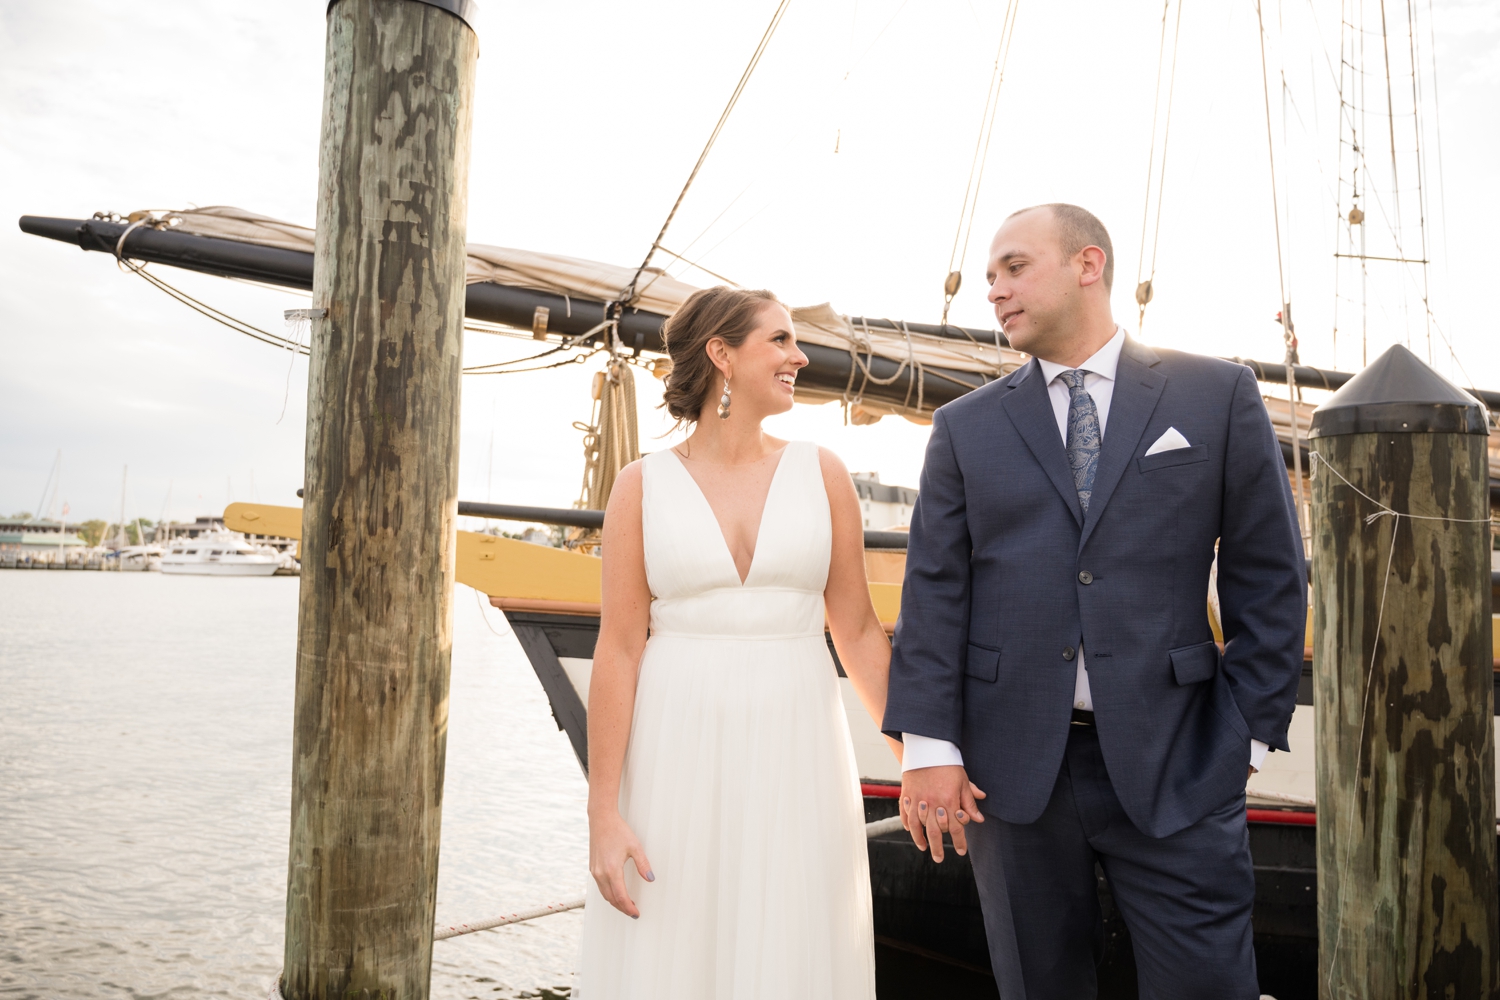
[1083,435]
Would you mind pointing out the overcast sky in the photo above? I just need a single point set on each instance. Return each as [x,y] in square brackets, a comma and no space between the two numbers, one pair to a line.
[839,179]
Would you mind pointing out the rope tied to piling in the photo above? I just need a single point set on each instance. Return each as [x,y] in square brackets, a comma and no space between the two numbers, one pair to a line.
[879,828]
[1383,511]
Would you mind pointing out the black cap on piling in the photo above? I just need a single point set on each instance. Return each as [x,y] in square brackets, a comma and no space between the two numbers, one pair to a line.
[466,11]
[1400,393]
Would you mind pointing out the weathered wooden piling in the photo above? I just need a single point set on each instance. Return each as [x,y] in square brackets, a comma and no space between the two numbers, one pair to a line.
[375,622]
[1403,688]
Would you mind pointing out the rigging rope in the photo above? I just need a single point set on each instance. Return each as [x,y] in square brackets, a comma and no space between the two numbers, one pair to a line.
[613,440]
[628,295]
[965,230]
[1145,290]
[918,374]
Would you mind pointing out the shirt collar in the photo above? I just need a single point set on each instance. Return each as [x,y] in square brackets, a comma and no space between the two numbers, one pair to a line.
[1103,363]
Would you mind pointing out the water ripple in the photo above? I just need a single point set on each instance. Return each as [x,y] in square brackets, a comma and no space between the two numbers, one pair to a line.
[145,762]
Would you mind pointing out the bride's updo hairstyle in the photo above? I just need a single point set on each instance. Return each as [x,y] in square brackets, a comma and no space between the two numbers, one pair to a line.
[727,313]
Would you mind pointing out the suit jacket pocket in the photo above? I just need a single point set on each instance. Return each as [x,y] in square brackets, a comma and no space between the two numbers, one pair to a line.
[1177,456]
[1194,664]
[982,664]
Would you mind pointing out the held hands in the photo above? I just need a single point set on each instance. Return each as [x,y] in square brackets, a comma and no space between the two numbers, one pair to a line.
[611,841]
[939,800]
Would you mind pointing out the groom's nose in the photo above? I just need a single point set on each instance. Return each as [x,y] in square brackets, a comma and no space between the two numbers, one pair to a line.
[999,290]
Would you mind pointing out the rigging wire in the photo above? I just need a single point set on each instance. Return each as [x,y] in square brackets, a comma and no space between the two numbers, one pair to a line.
[1341,225]
[694,241]
[1352,110]
[1286,307]
[1437,120]
[838,130]
[694,264]
[630,292]
[965,229]
[237,325]
[576,359]
[298,347]
[1390,117]
[568,344]
[1146,290]
[1416,106]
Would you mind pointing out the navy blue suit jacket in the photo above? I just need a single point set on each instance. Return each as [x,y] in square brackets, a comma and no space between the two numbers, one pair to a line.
[1006,578]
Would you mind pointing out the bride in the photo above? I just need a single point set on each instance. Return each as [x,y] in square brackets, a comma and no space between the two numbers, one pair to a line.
[726,828]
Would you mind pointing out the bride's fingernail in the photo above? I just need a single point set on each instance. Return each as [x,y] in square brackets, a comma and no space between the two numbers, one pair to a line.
[635,916]
[906,803]
[959,814]
[650,877]
[941,813]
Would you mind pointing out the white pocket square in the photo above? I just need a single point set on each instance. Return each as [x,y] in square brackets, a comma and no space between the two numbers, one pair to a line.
[1170,441]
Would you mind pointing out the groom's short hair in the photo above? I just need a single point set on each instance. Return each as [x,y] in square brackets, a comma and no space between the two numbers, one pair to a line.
[1078,228]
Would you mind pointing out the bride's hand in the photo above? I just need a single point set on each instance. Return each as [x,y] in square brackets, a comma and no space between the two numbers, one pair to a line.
[611,842]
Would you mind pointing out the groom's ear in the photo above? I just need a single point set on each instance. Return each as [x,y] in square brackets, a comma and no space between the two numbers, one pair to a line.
[1091,262]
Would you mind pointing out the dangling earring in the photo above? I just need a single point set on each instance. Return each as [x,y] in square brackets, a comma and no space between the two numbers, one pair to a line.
[724,401]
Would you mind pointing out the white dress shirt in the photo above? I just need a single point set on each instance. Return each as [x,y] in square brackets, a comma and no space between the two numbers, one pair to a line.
[1099,381]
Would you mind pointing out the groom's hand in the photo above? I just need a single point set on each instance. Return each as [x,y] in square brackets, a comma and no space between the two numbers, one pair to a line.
[935,801]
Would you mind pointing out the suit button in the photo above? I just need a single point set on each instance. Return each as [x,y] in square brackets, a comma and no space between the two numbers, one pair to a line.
[1084,576]
[1068,652]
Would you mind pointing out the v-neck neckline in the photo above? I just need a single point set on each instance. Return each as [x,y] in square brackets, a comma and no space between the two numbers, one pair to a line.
[713,515]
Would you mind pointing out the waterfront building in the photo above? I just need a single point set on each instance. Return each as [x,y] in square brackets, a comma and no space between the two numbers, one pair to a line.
[882,506]
[43,541]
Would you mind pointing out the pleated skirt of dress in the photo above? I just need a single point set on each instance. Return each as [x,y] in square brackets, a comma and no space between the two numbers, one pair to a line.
[741,784]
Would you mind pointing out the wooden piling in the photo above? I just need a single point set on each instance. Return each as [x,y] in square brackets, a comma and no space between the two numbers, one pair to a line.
[375,620]
[1403,688]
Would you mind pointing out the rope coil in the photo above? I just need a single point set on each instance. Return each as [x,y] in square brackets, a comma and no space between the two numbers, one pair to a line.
[859,338]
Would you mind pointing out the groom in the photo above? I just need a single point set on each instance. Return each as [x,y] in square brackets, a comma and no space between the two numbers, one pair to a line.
[1054,645]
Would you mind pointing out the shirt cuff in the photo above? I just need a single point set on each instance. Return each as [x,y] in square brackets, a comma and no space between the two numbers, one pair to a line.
[924,751]
[1257,753]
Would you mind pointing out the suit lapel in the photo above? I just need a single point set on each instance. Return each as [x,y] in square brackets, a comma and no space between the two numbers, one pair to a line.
[1137,389]
[1030,409]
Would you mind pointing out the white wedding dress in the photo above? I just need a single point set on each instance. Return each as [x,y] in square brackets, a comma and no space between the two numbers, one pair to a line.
[739,776]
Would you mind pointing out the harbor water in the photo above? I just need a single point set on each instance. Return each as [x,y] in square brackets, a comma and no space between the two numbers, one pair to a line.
[145,775]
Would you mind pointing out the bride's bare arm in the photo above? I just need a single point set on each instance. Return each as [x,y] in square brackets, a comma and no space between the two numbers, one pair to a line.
[623,625]
[857,633]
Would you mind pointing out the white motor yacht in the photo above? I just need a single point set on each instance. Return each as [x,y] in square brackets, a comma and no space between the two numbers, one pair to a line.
[220,553]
